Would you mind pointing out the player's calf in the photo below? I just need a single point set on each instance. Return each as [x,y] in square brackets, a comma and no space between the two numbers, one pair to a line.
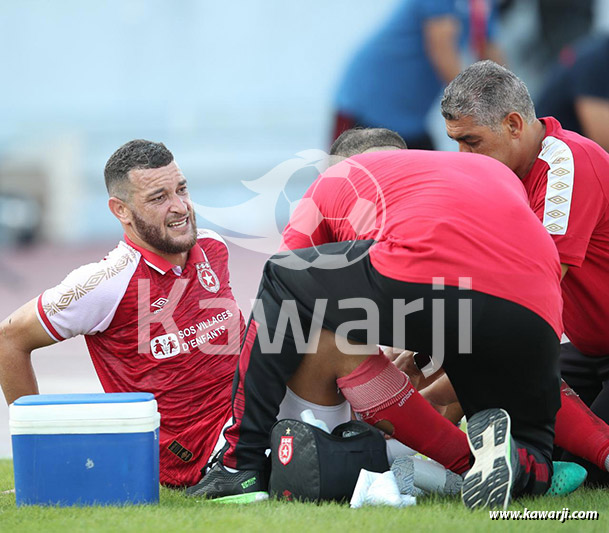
[579,431]
[383,396]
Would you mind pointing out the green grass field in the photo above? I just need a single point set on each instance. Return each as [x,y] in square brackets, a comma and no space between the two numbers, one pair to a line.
[176,513]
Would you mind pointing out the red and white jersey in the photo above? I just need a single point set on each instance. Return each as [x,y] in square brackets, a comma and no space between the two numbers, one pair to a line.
[153,327]
[458,218]
[568,188]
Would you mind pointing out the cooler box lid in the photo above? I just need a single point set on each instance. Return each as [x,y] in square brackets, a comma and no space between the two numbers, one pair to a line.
[128,412]
[98,397]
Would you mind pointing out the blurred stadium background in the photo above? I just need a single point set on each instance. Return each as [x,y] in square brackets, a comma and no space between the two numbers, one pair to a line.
[232,88]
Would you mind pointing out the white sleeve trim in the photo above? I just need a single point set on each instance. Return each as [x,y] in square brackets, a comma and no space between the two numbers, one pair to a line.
[44,326]
[559,189]
[87,299]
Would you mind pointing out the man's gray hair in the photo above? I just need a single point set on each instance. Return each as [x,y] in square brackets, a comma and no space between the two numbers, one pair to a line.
[487,92]
[358,140]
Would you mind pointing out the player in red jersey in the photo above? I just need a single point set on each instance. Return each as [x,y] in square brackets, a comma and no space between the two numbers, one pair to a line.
[488,111]
[441,240]
[157,313]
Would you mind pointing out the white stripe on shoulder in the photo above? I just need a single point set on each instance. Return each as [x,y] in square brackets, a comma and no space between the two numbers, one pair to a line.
[559,191]
[209,234]
[86,300]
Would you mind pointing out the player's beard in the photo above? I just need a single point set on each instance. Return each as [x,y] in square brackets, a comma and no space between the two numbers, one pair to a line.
[152,235]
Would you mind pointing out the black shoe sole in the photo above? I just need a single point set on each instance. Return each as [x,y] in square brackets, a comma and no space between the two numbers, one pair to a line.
[489,482]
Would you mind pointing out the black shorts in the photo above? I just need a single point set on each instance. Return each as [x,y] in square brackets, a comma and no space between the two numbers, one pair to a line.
[513,362]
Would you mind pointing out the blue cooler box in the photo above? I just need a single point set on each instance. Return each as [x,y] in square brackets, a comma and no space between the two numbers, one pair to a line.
[86,449]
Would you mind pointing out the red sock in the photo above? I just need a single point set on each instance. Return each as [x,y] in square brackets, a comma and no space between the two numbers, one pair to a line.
[579,430]
[377,391]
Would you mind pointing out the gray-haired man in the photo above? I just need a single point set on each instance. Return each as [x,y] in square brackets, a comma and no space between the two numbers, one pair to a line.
[488,111]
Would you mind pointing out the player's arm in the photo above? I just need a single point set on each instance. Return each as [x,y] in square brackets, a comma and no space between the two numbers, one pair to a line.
[453,412]
[440,36]
[442,397]
[440,392]
[405,360]
[584,205]
[20,334]
[593,115]
[563,270]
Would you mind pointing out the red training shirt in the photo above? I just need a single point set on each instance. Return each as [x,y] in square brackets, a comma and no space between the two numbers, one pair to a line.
[460,217]
[568,188]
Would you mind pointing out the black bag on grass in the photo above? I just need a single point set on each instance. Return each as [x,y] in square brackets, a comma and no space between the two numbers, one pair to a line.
[309,464]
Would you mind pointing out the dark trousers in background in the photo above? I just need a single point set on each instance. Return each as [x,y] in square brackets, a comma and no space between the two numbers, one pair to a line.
[343,122]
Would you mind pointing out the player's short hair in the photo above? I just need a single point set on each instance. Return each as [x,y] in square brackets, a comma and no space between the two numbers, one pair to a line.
[487,92]
[135,154]
[357,140]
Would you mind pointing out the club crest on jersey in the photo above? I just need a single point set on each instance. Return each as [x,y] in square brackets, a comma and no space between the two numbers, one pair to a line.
[207,277]
[286,450]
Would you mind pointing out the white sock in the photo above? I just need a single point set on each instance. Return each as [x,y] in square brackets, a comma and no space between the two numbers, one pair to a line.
[428,475]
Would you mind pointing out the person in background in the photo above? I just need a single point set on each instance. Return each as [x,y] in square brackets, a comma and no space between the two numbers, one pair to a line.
[554,31]
[489,111]
[576,91]
[395,77]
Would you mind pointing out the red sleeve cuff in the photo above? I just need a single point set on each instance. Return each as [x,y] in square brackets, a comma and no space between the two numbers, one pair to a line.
[571,260]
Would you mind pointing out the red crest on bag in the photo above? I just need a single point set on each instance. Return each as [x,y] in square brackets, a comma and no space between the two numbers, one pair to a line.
[285,451]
